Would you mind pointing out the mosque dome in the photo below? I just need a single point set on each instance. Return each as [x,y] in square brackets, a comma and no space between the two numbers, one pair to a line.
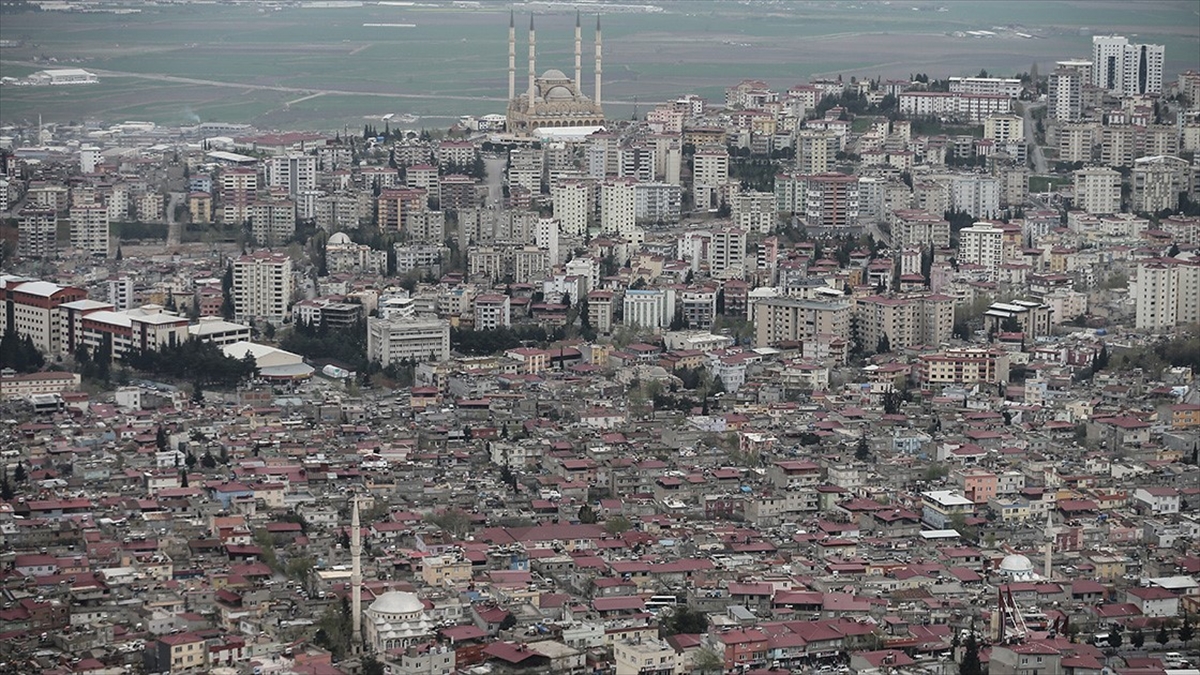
[395,603]
[554,74]
[338,239]
[559,94]
[1016,565]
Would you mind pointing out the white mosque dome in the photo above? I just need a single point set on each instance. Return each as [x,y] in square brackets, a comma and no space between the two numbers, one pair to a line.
[338,239]
[395,603]
[1016,565]
[559,93]
[554,74]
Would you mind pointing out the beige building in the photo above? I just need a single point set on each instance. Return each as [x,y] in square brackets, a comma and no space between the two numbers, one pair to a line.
[1098,190]
[1004,128]
[392,341]
[1166,293]
[89,229]
[710,173]
[1157,182]
[262,286]
[920,320]
[779,320]
[981,244]
[963,366]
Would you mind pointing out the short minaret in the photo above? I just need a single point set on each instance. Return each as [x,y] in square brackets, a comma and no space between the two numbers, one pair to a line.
[512,57]
[355,573]
[599,66]
[532,65]
[578,55]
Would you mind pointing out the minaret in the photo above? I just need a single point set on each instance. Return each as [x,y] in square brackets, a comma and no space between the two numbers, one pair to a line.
[599,67]
[355,574]
[512,57]
[532,66]
[578,55]
[1047,569]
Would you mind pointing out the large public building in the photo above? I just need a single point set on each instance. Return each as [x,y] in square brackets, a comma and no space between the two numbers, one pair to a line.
[552,100]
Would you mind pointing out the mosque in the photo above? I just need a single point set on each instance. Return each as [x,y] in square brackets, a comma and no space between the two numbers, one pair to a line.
[552,101]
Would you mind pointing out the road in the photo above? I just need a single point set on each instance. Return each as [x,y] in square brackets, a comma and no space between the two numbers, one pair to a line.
[307,92]
[174,227]
[495,165]
[1039,159]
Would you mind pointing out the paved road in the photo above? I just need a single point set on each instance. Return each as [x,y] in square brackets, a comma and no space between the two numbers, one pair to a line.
[296,90]
[174,227]
[495,165]
[1039,159]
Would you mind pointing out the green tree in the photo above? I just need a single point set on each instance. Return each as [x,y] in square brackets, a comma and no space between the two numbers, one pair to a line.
[1137,638]
[1186,631]
[160,439]
[1115,638]
[970,664]
[6,490]
[862,449]
[19,474]
[227,308]
[1162,637]
[587,514]
[707,661]
[371,666]
[685,620]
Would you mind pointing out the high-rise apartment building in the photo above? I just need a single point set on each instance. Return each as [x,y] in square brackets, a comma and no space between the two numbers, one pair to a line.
[618,209]
[293,172]
[574,205]
[1166,293]
[778,319]
[273,221]
[239,189]
[89,229]
[262,286]
[981,244]
[1098,190]
[976,195]
[710,173]
[649,307]
[1066,83]
[36,233]
[1126,69]
[727,253]
[906,321]
[831,201]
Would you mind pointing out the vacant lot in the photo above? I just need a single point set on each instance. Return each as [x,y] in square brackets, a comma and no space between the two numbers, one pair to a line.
[179,64]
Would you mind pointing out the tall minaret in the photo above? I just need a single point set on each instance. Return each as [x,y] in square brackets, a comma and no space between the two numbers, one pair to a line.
[512,56]
[578,55]
[1048,533]
[355,574]
[599,67]
[532,66]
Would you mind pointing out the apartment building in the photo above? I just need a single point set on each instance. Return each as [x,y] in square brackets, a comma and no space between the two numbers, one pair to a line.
[37,233]
[492,311]
[781,319]
[915,227]
[981,244]
[89,229]
[262,286]
[1004,128]
[1034,318]
[1065,95]
[394,206]
[1098,190]
[906,321]
[963,366]
[395,340]
[273,222]
[1158,181]
[727,253]
[1166,293]
[1127,69]
[753,211]
[600,311]
[657,202]
[710,174]
[239,189]
[972,108]
[816,151]
[976,194]
[996,86]
[618,209]
[293,172]
[831,201]
[574,205]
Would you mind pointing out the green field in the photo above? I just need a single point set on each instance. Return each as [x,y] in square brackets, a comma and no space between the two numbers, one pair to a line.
[249,65]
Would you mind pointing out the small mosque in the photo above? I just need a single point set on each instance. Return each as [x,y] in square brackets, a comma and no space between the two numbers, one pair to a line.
[397,620]
[1016,567]
[552,100]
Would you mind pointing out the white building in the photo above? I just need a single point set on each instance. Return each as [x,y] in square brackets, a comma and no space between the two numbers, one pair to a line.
[618,209]
[710,173]
[976,194]
[727,254]
[394,340]
[89,157]
[981,244]
[1065,97]
[1126,69]
[649,308]
[262,286]
[573,206]
[1098,190]
[294,172]
[1003,86]
[1166,293]
[492,311]
[218,331]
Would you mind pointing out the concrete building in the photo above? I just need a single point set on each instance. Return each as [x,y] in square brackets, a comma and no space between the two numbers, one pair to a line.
[1066,83]
[963,366]
[618,209]
[89,229]
[32,308]
[272,222]
[831,202]
[1098,190]
[710,174]
[779,320]
[1166,293]
[37,233]
[391,341]
[1004,129]
[727,254]
[262,286]
[492,311]
[981,244]
[976,194]
[816,151]
[574,205]
[649,307]
[1126,69]
[1158,182]
[293,172]
[906,321]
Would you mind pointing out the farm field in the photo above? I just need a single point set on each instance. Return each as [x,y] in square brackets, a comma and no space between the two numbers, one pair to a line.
[322,68]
